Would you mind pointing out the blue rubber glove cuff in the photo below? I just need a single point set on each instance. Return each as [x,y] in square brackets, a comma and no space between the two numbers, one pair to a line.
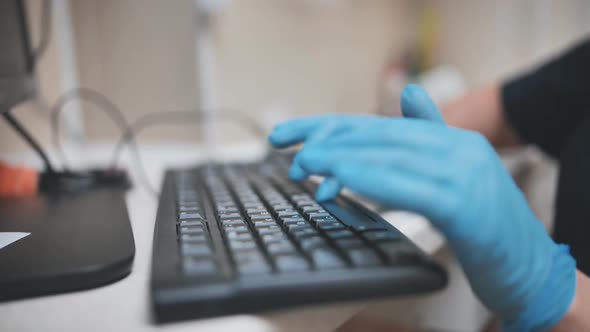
[553,300]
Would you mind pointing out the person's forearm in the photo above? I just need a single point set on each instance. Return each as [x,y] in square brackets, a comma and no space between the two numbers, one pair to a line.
[481,110]
[577,317]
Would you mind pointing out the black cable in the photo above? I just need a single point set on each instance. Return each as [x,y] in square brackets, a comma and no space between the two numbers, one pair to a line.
[44,32]
[13,122]
[107,106]
[129,132]
[130,136]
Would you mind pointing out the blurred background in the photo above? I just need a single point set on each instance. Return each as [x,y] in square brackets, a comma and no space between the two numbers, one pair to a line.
[264,61]
[274,59]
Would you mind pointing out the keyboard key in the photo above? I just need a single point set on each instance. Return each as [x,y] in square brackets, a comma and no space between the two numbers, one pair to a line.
[193,238]
[330,226]
[264,223]
[302,197]
[240,236]
[312,208]
[312,215]
[227,210]
[188,208]
[363,227]
[282,207]
[251,263]
[195,250]
[254,205]
[289,213]
[191,230]
[363,257]
[236,228]
[288,220]
[276,201]
[248,197]
[242,245]
[261,216]
[190,215]
[280,248]
[311,243]
[381,235]
[269,230]
[224,203]
[302,202]
[340,234]
[229,216]
[298,227]
[255,210]
[326,259]
[222,197]
[274,238]
[290,263]
[189,222]
[319,220]
[195,266]
[293,220]
[303,233]
[349,243]
[266,218]
[233,222]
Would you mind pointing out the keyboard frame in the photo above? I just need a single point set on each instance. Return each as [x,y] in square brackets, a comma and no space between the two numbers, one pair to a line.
[176,296]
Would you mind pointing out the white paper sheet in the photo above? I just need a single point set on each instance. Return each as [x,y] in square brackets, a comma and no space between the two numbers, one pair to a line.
[7,238]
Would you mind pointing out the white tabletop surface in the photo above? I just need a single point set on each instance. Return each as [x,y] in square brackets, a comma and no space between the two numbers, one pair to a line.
[125,306]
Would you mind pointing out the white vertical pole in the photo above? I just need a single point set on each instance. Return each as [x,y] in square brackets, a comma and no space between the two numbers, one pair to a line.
[72,116]
[206,74]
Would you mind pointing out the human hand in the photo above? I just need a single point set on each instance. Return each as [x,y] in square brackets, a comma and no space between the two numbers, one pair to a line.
[455,179]
[314,129]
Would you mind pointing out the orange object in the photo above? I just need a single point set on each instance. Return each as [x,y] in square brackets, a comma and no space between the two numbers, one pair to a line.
[18,181]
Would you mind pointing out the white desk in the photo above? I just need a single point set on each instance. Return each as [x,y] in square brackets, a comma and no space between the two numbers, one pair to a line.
[125,306]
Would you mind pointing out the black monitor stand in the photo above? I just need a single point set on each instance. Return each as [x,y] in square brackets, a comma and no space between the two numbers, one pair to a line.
[76,241]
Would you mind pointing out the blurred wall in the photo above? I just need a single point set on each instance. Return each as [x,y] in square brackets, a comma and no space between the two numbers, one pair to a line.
[292,57]
[489,40]
[281,58]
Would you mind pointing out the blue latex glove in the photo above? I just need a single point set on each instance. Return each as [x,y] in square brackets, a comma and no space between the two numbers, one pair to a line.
[455,179]
[314,129]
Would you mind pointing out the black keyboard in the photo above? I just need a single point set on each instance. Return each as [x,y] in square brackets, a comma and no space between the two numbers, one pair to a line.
[239,238]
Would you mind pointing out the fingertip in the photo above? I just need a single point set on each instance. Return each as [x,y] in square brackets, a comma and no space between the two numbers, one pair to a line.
[412,99]
[296,173]
[416,103]
[274,140]
[292,131]
[328,190]
[311,159]
[279,136]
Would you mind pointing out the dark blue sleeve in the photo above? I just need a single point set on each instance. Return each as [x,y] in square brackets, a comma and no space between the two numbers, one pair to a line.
[545,106]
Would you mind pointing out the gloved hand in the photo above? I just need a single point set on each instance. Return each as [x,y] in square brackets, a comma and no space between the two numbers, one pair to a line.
[455,179]
[315,129]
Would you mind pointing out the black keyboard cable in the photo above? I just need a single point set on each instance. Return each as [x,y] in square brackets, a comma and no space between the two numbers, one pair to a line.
[129,132]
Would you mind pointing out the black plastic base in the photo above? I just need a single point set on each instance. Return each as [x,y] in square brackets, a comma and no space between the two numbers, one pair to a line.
[77,242]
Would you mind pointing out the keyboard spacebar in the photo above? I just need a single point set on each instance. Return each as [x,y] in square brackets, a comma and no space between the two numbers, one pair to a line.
[354,219]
